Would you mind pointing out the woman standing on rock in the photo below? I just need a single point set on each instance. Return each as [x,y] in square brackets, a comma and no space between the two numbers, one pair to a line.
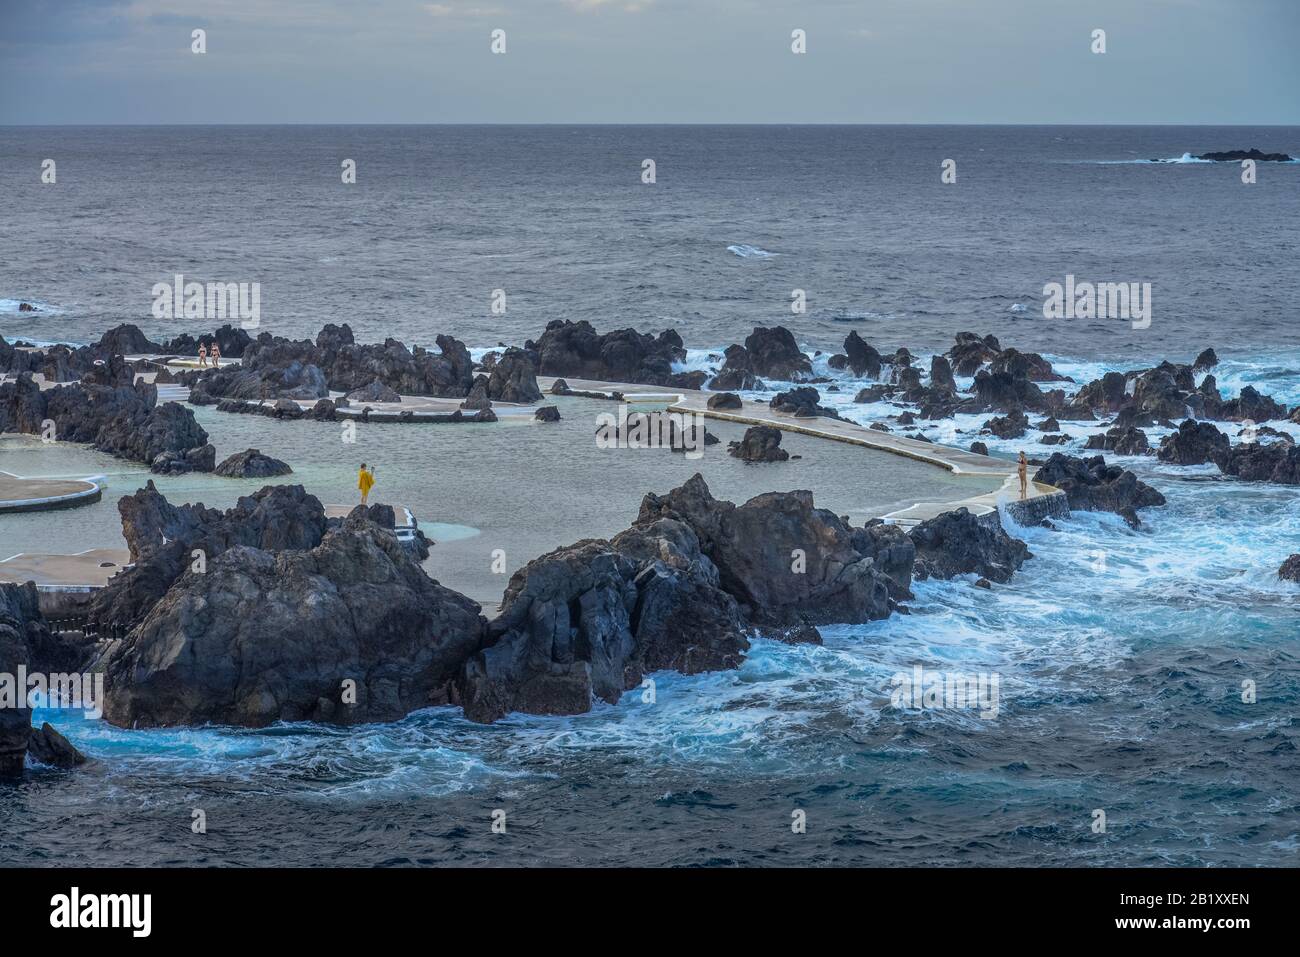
[1022,469]
[365,480]
[216,355]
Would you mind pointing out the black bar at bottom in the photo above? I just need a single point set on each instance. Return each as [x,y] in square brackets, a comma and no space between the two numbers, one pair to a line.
[333,906]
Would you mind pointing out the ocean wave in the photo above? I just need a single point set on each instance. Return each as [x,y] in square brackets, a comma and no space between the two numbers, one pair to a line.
[746,251]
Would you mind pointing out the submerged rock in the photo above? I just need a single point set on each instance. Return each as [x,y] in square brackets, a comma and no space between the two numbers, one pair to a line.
[251,463]
[547,413]
[761,443]
[1290,570]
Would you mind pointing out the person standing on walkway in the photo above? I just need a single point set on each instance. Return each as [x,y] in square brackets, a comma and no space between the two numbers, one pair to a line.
[203,356]
[1022,469]
[216,355]
[365,481]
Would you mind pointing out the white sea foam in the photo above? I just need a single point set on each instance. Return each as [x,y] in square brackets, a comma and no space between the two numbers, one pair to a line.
[746,251]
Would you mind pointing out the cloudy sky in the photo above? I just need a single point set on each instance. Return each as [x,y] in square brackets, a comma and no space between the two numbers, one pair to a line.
[650,61]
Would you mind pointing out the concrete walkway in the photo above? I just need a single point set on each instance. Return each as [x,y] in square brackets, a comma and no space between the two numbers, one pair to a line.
[1041,500]
[19,494]
[84,571]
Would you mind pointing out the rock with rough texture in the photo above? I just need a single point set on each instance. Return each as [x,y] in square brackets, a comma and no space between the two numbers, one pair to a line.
[861,357]
[251,463]
[956,543]
[374,391]
[26,642]
[979,448]
[514,378]
[1091,485]
[1010,426]
[1006,393]
[941,375]
[971,352]
[125,421]
[1025,365]
[1277,462]
[624,355]
[589,620]
[1206,361]
[162,539]
[349,631]
[761,443]
[1121,441]
[783,559]
[478,398]
[51,748]
[767,352]
[802,402]
[547,413]
[1195,443]
[1290,570]
[774,354]
[725,400]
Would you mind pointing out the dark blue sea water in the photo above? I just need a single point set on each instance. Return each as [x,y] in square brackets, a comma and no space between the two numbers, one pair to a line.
[1121,653]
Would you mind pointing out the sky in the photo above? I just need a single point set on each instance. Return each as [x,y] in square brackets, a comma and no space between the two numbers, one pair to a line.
[1192,62]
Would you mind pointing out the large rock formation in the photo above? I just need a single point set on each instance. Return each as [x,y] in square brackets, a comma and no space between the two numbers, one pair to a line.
[624,355]
[275,367]
[783,559]
[1091,485]
[513,378]
[769,353]
[125,421]
[956,543]
[165,540]
[351,630]
[592,618]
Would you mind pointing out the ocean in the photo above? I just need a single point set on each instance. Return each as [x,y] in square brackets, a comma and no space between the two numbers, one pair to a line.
[1121,654]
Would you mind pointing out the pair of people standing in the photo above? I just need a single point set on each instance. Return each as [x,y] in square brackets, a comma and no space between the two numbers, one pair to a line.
[216,355]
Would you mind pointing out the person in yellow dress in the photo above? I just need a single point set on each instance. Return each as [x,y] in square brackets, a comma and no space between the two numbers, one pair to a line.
[365,481]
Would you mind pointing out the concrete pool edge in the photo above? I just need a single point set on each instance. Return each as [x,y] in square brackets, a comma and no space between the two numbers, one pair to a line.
[1041,500]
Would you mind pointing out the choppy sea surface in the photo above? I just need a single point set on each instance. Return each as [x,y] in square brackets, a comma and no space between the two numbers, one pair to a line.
[1121,654]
